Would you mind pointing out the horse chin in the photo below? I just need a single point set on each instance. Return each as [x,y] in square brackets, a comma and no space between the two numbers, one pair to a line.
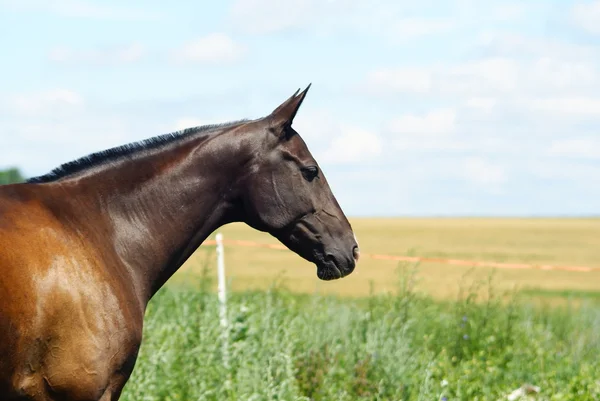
[328,272]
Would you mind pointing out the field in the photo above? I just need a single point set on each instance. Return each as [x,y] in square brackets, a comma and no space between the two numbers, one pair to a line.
[286,346]
[388,331]
[547,241]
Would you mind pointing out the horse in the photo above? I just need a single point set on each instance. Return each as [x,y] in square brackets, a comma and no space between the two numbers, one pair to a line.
[84,248]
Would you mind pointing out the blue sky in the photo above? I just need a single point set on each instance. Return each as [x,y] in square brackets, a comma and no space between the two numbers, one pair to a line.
[442,108]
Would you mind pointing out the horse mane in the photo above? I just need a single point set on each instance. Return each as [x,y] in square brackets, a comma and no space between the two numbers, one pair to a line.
[105,157]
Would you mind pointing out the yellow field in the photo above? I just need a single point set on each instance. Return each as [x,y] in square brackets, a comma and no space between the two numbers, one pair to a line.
[549,241]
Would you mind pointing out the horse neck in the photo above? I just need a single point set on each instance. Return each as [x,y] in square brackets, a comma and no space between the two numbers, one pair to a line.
[159,208]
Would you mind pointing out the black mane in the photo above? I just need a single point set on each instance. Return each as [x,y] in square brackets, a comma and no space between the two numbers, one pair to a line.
[119,152]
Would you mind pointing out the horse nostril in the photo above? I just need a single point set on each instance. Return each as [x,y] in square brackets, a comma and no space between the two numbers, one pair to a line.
[356,253]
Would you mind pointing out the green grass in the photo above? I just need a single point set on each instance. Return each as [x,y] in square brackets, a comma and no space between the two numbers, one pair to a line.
[401,346]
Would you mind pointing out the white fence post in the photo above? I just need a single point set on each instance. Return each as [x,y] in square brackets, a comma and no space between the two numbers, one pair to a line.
[223,298]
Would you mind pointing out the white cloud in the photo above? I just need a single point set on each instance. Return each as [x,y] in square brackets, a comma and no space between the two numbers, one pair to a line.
[509,12]
[42,143]
[516,45]
[482,104]
[484,173]
[409,28]
[392,20]
[44,129]
[577,106]
[353,145]
[436,122]
[44,103]
[385,80]
[268,16]
[215,48]
[509,66]
[587,16]
[413,144]
[489,75]
[553,73]
[578,174]
[577,148]
[561,81]
[432,131]
[80,9]
[80,133]
[116,55]
[495,74]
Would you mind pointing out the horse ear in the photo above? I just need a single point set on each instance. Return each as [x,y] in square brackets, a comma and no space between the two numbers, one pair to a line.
[284,115]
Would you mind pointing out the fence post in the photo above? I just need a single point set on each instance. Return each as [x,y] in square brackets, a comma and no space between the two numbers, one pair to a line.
[223,298]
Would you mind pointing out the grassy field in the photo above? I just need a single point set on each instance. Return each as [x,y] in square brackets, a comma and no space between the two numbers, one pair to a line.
[429,332]
[286,346]
[548,241]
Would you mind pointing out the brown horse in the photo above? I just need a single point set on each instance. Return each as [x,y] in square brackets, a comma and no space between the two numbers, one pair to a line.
[84,248]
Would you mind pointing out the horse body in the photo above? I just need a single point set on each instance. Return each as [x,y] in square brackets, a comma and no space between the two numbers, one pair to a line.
[71,328]
[84,249]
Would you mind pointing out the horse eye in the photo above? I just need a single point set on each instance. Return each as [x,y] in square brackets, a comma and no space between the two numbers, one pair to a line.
[310,173]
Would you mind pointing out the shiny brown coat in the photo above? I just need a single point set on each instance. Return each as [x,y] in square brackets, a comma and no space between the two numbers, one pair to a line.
[84,248]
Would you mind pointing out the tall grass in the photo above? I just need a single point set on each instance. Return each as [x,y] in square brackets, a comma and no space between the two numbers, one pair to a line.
[394,347]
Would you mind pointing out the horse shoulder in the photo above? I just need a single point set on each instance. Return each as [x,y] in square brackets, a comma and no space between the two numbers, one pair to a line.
[65,323]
